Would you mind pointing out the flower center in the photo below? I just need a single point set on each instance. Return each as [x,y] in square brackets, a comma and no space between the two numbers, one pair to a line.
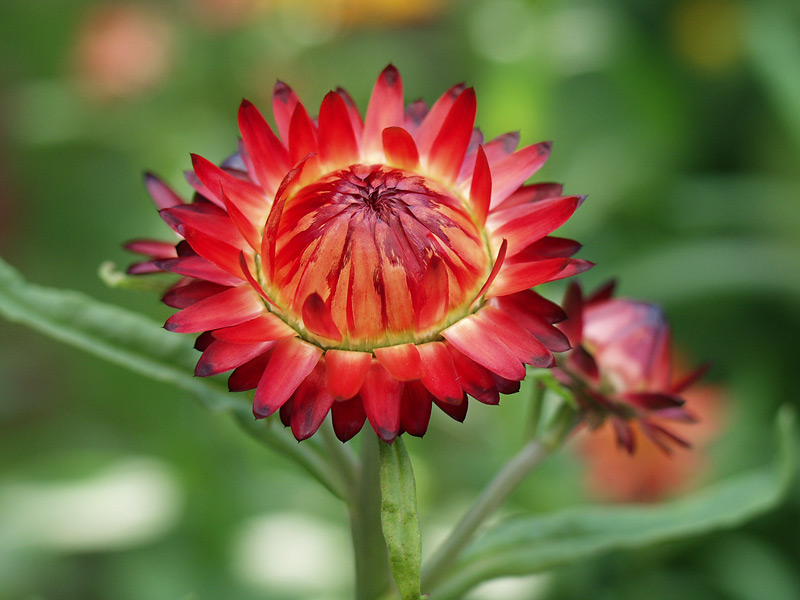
[394,256]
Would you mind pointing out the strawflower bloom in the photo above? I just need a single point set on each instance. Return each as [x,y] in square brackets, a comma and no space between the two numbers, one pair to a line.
[370,268]
[620,367]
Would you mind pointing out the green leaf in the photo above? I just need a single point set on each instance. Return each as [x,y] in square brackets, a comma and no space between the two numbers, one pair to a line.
[530,544]
[143,346]
[399,517]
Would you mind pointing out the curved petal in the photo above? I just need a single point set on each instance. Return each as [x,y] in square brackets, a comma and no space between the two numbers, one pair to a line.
[381,395]
[292,360]
[231,307]
[403,361]
[310,404]
[346,371]
[385,110]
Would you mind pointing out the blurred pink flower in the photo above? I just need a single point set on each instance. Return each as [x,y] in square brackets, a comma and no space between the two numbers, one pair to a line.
[122,51]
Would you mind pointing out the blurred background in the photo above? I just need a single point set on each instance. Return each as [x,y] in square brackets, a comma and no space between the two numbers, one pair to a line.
[679,119]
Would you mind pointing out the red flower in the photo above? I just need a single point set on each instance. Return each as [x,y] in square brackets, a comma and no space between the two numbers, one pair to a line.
[620,366]
[368,267]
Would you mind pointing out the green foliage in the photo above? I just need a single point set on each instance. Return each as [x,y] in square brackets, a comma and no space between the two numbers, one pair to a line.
[527,544]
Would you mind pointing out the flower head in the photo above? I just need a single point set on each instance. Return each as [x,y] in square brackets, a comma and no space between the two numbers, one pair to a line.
[620,366]
[370,268]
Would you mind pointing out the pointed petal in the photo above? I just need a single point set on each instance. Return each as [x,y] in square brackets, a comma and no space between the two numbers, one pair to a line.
[199,267]
[450,146]
[264,328]
[434,296]
[249,374]
[317,318]
[204,217]
[573,306]
[385,110]
[531,222]
[476,380]
[525,346]
[337,143]
[400,149]
[498,265]
[439,372]
[291,362]
[346,371]
[432,123]
[480,193]
[531,193]
[415,409]
[381,395]
[163,196]
[193,292]
[348,418]
[527,318]
[402,362]
[310,404]
[511,172]
[269,157]
[284,101]
[522,276]
[457,411]
[248,197]
[653,400]
[353,112]
[214,250]
[302,135]
[223,356]
[227,308]
[470,338]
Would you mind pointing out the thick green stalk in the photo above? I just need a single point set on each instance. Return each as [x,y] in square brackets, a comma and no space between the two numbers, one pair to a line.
[371,558]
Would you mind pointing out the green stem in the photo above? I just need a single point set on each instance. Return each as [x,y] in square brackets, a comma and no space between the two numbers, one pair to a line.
[371,557]
[493,496]
[341,456]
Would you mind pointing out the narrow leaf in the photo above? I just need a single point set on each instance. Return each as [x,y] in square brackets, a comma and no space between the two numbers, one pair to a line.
[399,517]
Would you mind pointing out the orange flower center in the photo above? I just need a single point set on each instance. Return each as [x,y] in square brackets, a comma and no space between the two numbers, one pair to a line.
[395,256]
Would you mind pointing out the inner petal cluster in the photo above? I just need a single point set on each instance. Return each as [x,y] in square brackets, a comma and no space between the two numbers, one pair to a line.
[394,256]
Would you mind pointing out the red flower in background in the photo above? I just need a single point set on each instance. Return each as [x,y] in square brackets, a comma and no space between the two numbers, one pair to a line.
[371,268]
[620,367]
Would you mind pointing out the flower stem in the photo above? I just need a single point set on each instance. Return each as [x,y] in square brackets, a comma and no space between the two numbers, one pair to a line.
[371,557]
[493,495]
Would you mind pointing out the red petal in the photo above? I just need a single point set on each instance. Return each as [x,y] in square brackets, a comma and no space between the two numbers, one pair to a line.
[184,296]
[196,266]
[475,379]
[291,362]
[511,172]
[522,276]
[547,247]
[337,143]
[154,248]
[222,254]
[270,158]
[381,395]
[302,135]
[317,318]
[653,401]
[284,101]
[471,338]
[527,317]
[439,372]
[415,409]
[230,307]
[525,346]
[163,196]
[450,146]
[264,328]
[531,193]
[204,217]
[400,149]
[348,418]
[353,112]
[456,411]
[310,403]
[385,109]
[346,371]
[223,356]
[532,222]
[432,123]
[402,362]
[480,193]
[249,374]
[573,306]
[434,297]
[249,198]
